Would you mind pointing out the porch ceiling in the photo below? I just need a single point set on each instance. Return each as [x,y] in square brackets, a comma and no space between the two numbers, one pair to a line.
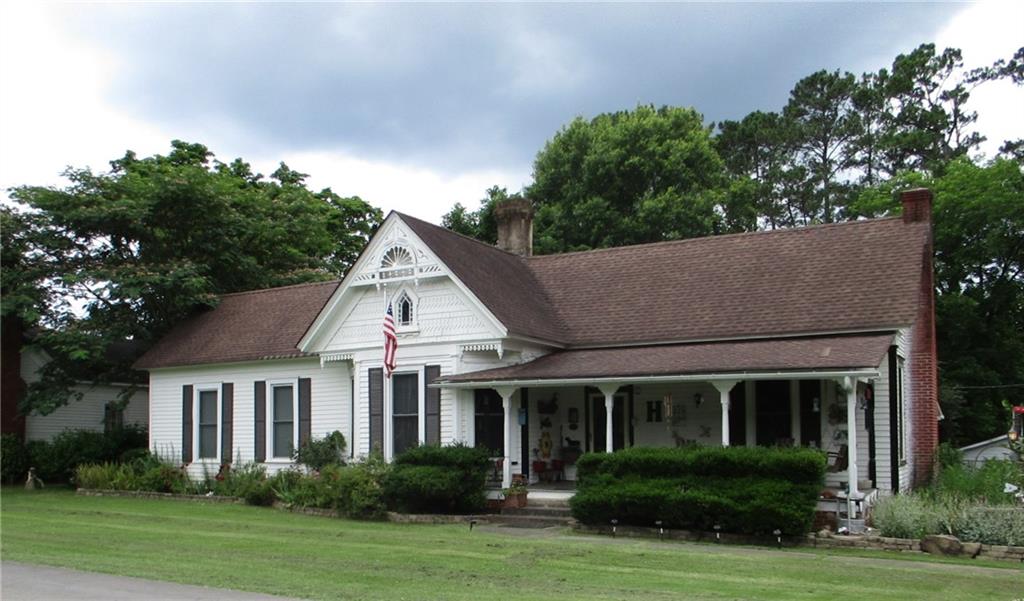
[825,356]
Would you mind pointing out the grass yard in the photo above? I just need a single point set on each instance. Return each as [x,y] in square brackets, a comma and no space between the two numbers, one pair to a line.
[274,552]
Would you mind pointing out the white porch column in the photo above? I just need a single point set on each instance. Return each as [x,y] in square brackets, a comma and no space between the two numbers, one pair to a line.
[506,393]
[723,387]
[609,391]
[850,386]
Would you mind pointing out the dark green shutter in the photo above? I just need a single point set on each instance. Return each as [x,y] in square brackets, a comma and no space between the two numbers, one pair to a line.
[186,423]
[305,410]
[227,414]
[433,415]
[376,390]
[260,394]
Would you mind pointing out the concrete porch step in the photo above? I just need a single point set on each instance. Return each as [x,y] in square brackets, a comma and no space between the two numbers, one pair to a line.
[543,511]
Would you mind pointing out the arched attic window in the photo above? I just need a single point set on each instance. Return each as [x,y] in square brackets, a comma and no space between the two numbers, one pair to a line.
[397,262]
[404,308]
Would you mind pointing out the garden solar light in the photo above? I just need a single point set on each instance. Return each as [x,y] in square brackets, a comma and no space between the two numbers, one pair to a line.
[614,524]
[718,533]
[778,536]
[661,530]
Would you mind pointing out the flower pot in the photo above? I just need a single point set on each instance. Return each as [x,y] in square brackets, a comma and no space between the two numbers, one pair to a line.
[516,500]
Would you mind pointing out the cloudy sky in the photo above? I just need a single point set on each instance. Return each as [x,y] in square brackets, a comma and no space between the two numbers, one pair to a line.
[418,106]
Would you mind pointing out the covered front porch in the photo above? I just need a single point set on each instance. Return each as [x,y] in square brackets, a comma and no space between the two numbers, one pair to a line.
[538,423]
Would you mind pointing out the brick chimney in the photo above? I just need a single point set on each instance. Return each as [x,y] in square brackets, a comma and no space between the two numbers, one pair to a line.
[923,363]
[515,226]
[917,205]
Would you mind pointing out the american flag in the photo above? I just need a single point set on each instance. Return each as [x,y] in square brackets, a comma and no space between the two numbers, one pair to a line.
[390,341]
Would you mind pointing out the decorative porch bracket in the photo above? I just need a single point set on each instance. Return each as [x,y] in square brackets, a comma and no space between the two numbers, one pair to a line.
[723,387]
[609,390]
[506,393]
[849,384]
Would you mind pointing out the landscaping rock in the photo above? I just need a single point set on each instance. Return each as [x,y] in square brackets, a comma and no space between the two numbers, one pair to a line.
[971,549]
[941,544]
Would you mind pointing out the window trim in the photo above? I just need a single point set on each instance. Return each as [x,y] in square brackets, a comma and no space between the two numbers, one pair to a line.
[414,306]
[388,444]
[269,449]
[216,388]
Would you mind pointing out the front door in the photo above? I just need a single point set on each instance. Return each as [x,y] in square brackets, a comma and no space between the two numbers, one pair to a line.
[774,425]
[598,424]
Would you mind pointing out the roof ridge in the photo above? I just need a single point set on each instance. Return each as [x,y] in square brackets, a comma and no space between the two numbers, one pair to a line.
[777,231]
[276,288]
[459,234]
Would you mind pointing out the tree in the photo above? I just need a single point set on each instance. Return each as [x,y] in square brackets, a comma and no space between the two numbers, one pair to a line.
[625,178]
[759,155]
[479,224]
[140,247]
[979,277]
[824,122]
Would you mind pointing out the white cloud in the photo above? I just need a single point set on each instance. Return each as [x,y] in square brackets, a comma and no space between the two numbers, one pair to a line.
[410,189]
[986,32]
[54,113]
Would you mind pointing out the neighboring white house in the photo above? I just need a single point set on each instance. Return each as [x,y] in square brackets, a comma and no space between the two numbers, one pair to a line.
[99,409]
[993,448]
[820,336]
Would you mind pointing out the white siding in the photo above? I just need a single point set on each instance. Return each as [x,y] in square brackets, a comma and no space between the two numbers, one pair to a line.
[329,402]
[84,414]
[442,313]
[87,413]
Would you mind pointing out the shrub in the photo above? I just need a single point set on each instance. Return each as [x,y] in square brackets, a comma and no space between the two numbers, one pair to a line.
[317,453]
[14,459]
[905,516]
[436,479]
[245,480]
[992,525]
[163,478]
[146,472]
[982,483]
[947,456]
[361,492]
[742,490]
[56,460]
[98,476]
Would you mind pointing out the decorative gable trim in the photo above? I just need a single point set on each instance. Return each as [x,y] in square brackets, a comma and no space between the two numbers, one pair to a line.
[367,271]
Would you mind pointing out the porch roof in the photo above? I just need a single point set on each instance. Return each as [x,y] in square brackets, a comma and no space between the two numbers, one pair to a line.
[827,356]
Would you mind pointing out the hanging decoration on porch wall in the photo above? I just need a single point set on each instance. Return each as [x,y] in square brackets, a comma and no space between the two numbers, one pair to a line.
[549,406]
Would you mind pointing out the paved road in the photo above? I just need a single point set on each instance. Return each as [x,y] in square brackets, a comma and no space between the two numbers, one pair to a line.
[23,582]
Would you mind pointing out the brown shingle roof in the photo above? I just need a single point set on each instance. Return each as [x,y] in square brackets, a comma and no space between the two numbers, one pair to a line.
[502,281]
[246,326]
[752,356]
[854,276]
[858,275]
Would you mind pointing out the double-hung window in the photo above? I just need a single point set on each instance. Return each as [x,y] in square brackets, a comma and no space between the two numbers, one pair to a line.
[208,423]
[282,423]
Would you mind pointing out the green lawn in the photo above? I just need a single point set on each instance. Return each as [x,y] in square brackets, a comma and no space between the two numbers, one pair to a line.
[270,551]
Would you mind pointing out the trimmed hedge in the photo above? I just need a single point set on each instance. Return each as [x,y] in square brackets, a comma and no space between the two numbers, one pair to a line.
[435,479]
[749,491]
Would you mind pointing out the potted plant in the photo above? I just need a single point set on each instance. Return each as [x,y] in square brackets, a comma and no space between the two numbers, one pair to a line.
[515,495]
